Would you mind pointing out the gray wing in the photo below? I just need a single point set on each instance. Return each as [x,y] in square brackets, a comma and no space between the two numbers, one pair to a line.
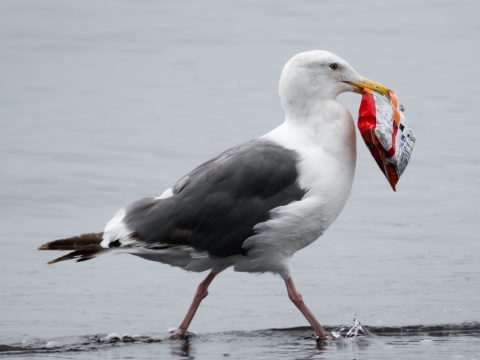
[216,206]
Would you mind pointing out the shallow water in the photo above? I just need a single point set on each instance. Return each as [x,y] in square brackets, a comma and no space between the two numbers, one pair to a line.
[417,342]
[104,103]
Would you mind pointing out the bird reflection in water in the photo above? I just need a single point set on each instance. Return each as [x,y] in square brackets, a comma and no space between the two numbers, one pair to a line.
[181,349]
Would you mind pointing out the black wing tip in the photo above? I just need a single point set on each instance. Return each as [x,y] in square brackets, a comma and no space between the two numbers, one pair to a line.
[83,247]
[43,247]
[78,256]
[80,242]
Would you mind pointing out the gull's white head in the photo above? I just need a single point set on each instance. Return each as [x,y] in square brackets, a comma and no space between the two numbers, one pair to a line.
[313,76]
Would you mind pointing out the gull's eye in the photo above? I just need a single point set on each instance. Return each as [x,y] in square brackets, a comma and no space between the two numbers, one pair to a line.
[334,66]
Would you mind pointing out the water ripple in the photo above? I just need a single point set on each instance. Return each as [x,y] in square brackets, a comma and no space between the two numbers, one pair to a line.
[98,342]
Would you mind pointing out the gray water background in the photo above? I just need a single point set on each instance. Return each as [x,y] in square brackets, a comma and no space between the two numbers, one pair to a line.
[102,103]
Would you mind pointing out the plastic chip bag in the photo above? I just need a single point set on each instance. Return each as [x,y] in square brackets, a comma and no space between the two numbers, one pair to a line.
[386,133]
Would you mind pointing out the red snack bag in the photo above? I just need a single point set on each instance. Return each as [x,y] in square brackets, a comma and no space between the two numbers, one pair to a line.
[384,129]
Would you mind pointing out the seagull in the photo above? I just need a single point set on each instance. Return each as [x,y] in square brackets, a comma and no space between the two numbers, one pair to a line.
[253,206]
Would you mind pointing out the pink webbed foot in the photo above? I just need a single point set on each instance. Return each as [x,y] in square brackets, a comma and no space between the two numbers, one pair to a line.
[179,334]
[325,337]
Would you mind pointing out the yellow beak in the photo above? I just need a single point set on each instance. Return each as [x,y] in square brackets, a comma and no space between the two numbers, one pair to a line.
[370,84]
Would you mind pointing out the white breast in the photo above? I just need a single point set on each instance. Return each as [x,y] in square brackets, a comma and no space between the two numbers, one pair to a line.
[326,147]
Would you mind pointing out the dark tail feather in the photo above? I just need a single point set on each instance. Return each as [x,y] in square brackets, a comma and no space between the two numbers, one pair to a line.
[85,247]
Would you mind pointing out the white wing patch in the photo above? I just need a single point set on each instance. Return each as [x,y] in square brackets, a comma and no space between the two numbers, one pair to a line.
[166,194]
[116,229]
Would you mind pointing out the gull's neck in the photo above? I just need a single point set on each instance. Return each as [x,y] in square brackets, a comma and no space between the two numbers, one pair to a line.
[312,112]
[327,124]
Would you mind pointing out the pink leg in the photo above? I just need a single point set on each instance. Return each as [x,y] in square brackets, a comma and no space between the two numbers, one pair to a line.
[201,293]
[297,299]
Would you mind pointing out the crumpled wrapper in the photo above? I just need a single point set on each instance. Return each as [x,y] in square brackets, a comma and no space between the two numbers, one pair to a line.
[386,133]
